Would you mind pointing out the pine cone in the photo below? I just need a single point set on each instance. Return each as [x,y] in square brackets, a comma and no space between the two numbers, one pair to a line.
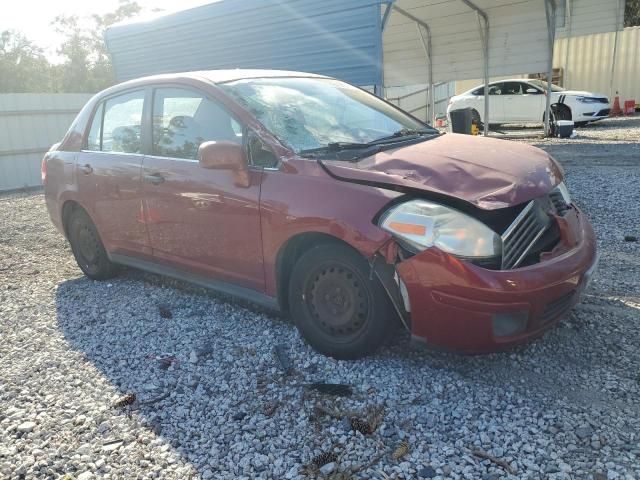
[323,459]
[361,426]
[375,416]
[401,451]
[128,399]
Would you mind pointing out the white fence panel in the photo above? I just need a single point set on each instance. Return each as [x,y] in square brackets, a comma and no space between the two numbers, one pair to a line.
[29,124]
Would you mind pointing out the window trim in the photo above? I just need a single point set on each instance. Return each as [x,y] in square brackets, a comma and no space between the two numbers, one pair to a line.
[100,103]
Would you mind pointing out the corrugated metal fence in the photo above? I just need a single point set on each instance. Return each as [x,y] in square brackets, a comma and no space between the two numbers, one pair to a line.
[588,64]
[29,124]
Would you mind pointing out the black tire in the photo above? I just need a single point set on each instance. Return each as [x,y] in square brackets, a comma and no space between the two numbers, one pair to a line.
[340,311]
[559,112]
[87,247]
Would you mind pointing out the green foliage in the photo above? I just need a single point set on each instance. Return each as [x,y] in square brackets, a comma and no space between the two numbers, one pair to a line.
[85,66]
[23,67]
[632,13]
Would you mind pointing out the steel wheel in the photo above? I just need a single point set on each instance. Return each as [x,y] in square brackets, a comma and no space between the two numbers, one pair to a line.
[339,309]
[337,300]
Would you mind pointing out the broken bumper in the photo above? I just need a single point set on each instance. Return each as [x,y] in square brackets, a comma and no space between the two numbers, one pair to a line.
[460,306]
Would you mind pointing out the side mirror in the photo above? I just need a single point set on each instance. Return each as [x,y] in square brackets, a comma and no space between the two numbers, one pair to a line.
[532,90]
[225,156]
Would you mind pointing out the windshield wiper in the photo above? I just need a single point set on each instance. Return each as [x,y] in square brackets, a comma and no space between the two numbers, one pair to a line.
[405,132]
[340,146]
[374,146]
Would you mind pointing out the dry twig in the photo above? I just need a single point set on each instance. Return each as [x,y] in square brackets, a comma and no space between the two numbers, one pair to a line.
[498,461]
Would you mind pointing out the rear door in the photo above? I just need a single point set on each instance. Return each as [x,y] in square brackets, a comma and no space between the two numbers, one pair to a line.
[198,219]
[496,103]
[108,172]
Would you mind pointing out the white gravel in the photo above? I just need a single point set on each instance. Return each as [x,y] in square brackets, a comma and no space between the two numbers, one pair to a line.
[212,401]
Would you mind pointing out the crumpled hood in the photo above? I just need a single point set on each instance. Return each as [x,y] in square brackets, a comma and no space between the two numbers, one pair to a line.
[486,172]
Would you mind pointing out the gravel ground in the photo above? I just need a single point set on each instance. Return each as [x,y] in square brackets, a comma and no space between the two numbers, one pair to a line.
[212,400]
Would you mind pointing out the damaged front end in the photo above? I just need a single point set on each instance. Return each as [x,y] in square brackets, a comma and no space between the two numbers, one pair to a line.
[546,256]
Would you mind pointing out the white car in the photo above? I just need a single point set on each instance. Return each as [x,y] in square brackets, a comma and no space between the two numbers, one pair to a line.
[524,101]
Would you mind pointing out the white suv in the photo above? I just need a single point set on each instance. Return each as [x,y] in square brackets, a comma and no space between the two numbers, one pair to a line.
[523,101]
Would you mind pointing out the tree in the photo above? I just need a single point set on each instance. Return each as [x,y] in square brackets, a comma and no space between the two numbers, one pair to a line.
[87,66]
[632,13]
[23,66]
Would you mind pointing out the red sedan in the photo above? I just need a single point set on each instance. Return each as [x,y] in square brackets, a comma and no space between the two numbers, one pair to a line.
[311,196]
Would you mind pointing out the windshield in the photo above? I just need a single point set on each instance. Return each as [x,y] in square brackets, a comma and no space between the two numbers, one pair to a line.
[543,85]
[309,113]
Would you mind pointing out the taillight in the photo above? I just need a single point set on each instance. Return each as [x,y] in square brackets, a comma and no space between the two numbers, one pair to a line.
[43,170]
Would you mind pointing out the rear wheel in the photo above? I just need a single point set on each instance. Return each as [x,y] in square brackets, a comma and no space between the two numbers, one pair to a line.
[338,308]
[475,118]
[88,248]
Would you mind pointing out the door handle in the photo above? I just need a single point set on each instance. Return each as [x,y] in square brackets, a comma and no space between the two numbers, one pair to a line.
[86,169]
[154,179]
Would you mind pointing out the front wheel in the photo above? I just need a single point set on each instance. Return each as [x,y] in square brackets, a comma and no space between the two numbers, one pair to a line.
[88,248]
[339,310]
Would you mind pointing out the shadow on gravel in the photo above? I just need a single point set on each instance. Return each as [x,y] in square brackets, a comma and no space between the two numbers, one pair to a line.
[196,363]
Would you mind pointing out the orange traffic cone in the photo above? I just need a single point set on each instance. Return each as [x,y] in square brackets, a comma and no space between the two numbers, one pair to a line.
[616,111]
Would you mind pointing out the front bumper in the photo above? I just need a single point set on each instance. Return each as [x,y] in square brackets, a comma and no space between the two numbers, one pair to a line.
[591,111]
[455,305]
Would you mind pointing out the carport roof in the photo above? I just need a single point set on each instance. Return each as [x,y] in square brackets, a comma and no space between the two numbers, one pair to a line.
[518,36]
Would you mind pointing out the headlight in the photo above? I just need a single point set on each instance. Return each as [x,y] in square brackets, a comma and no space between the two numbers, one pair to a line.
[562,188]
[421,224]
[586,100]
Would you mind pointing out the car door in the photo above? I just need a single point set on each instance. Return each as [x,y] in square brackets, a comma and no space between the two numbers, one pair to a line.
[496,103]
[108,173]
[197,218]
[521,105]
[512,99]
[533,103]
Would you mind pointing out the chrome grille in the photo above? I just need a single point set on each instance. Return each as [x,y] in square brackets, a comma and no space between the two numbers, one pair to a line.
[521,236]
[558,202]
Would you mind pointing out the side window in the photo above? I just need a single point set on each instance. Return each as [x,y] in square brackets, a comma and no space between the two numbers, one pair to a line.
[94,140]
[183,119]
[122,123]
[512,88]
[496,89]
[528,88]
[259,154]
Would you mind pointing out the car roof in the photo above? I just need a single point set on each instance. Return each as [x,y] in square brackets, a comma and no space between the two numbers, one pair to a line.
[214,76]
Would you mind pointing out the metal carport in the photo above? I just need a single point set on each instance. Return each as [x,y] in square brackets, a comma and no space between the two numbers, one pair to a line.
[428,41]
[375,43]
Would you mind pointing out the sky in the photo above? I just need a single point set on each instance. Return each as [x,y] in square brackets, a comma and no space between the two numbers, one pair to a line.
[33,17]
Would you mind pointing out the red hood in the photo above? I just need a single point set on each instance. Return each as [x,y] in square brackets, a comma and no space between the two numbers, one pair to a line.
[486,172]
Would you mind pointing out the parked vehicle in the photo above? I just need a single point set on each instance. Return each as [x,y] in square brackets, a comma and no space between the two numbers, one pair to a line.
[314,197]
[524,101]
